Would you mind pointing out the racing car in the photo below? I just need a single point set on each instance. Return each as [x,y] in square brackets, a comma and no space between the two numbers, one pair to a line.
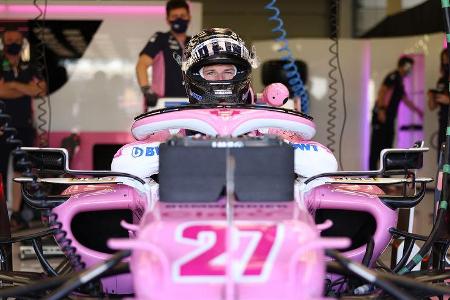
[225,199]
[218,201]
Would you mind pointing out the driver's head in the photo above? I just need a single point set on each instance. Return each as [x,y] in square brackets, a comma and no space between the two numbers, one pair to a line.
[218,72]
[217,66]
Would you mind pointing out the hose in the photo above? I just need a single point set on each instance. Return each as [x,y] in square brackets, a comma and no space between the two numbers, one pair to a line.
[426,247]
[37,246]
[407,249]
[368,275]
[65,243]
[295,81]
[88,275]
[53,282]
[412,284]
[335,66]
[369,252]
[44,125]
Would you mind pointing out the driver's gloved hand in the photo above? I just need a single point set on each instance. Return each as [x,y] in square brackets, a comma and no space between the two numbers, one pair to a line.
[150,97]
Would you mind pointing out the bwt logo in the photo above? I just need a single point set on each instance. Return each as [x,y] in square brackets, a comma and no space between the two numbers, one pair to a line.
[305,147]
[147,151]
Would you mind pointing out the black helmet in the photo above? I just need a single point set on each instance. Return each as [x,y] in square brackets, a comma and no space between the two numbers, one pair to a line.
[211,47]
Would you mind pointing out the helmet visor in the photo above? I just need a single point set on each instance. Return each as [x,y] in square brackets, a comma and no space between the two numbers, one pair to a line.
[218,72]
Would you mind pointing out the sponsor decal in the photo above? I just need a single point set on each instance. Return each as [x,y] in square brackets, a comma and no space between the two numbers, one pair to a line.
[305,147]
[223,92]
[144,151]
[227,144]
[217,45]
[196,96]
[224,113]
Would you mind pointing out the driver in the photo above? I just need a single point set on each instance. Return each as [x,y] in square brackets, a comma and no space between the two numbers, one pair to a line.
[217,66]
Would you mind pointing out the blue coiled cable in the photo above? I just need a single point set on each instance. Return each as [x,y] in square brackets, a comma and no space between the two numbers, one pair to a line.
[290,67]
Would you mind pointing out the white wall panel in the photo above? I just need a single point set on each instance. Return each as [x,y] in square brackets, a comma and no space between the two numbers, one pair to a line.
[364,64]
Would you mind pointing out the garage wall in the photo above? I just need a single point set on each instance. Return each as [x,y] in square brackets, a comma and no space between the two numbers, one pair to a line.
[303,18]
[364,64]
[307,18]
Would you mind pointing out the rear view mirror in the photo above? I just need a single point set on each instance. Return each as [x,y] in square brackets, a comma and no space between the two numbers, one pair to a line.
[57,160]
[51,159]
[403,160]
[394,161]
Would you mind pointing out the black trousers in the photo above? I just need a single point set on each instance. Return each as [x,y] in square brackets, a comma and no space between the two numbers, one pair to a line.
[27,136]
[441,137]
[382,137]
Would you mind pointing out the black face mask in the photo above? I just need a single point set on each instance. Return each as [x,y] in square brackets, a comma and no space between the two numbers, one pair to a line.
[13,48]
[179,25]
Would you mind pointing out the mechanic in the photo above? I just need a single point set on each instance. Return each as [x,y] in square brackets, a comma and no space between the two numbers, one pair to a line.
[19,83]
[217,67]
[161,52]
[384,113]
[439,97]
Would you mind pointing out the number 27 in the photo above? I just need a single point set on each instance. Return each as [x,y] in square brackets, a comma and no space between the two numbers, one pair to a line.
[254,250]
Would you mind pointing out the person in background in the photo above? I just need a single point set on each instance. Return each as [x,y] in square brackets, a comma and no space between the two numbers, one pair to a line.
[19,83]
[385,111]
[162,52]
[439,97]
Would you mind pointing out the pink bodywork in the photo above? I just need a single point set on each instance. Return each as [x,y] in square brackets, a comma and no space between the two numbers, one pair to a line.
[242,251]
[223,122]
[357,198]
[87,198]
[215,251]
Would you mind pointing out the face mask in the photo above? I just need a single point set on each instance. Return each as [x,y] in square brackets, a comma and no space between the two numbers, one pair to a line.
[179,25]
[13,48]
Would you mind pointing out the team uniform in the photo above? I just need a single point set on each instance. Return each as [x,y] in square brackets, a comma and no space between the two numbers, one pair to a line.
[442,86]
[20,109]
[383,133]
[166,52]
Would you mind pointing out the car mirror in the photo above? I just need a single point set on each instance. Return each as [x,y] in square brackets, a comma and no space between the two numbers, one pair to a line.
[53,159]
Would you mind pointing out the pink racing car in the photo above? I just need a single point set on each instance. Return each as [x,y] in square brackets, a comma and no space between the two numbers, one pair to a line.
[222,202]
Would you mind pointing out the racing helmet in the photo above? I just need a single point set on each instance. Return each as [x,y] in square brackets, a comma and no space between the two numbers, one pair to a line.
[217,46]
